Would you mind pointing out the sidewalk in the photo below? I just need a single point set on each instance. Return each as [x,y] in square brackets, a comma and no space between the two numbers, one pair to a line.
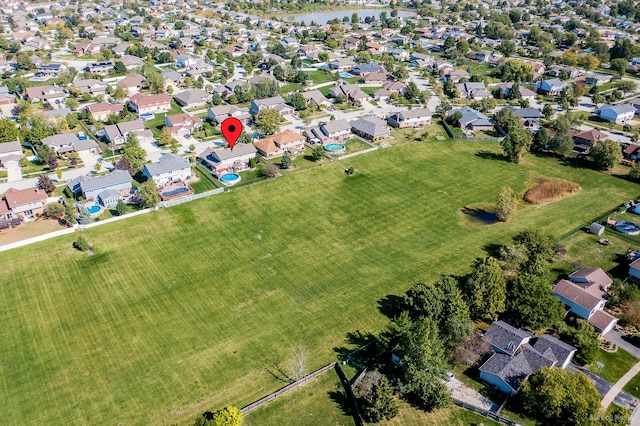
[617,387]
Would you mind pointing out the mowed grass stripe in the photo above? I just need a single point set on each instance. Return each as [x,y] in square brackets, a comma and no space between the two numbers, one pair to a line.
[192,307]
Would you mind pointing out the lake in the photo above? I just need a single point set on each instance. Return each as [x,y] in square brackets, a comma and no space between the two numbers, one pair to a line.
[324,17]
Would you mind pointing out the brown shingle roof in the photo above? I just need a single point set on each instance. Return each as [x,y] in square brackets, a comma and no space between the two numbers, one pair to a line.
[19,197]
[576,294]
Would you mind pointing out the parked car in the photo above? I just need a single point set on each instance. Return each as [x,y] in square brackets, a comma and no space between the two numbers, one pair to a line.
[633,339]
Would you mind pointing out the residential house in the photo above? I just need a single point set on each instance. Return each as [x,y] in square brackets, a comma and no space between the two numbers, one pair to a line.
[276,145]
[92,187]
[182,124]
[87,49]
[351,91]
[192,98]
[399,54]
[330,132]
[551,87]
[315,96]
[370,127]
[377,78]
[276,103]
[364,69]
[19,205]
[132,83]
[131,62]
[472,90]
[570,72]
[585,140]
[53,96]
[172,78]
[585,294]
[200,67]
[144,104]
[631,153]
[597,78]
[10,156]
[101,111]
[91,86]
[473,120]
[169,168]
[484,56]
[504,89]
[634,270]
[66,142]
[49,70]
[219,113]
[100,68]
[530,117]
[221,161]
[518,354]
[116,134]
[388,89]
[619,113]
[412,118]
[342,64]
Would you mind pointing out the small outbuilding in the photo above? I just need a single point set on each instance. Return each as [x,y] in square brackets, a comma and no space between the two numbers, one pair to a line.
[596,229]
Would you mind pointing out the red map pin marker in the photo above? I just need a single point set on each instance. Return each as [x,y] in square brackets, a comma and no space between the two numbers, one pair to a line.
[231,129]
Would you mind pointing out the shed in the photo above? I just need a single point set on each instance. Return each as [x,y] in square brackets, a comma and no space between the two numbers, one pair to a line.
[596,229]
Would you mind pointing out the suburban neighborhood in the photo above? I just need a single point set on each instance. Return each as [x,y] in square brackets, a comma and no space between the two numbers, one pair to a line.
[431,212]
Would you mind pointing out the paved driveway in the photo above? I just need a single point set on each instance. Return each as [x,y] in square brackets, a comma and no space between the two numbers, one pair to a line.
[615,336]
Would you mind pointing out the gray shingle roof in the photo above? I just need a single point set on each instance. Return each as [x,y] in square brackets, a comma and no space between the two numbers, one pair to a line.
[166,164]
[116,177]
[193,95]
[219,155]
[336,126]
[370,125]
[506,337]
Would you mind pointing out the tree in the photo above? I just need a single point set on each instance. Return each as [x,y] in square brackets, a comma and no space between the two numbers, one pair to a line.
[582,337]
[547,111]
[119,68]
[626,86]
[267,121]
[45,153]
[562,145]
[148,192]
[121,208]
[124,164]
[298,102]
[70,214]
[620,65]
[515,143]
[227,416]
[323,56]
[133,153]
[72,103]
[531,303]
[541,139]
[54,210]
[8,130]
[270,170]
[507,48]
[634,173]
[606,154]
[81,244]
[286,162]
[317,153]
[46,184]
[486,290]
[379,403]
[165,136]
[506,204]
[84,217]
[560,397]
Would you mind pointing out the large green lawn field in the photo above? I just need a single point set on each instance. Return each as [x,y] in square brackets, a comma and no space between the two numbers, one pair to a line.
[198,306]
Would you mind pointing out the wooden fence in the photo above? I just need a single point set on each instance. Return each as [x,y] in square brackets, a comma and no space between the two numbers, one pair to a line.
[485,413]
[249,408]
[468,138]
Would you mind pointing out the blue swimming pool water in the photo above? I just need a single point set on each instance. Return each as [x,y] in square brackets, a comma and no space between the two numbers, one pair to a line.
[229,177]
[217,143]
[175,192]
[334,147]
[93,209]
[629,228]
[345,75]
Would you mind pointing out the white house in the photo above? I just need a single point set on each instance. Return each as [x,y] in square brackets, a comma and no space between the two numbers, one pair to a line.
[585,295]
[220,161]
[412,118]
[169,168]
[620,113]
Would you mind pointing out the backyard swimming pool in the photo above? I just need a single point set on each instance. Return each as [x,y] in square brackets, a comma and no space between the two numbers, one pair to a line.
[628,228]
[175,192]
[93,209]
[230,178]
[336,148]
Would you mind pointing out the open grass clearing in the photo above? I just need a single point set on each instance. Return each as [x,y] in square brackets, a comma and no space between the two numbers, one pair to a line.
[615,364]
[190,308]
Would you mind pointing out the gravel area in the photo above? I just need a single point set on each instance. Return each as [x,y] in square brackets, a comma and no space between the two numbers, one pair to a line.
[463,392]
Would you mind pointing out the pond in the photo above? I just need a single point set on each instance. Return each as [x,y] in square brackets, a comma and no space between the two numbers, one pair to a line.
[482,215]
[324,17]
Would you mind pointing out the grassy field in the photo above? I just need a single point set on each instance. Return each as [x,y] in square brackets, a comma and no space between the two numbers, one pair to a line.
[198,306]
[320,77]
[615,364]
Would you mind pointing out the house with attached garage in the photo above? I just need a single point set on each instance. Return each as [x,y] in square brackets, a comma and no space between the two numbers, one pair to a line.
[144,104]
[585,294]
[370,127]
[276,103]
[91,86]
[619,114]
[10,156]
[66,142]
[333,131]
[551,87]
[517,354]
[192,98]
[132,83]
[276,145]
[21,205]
[411,118]
[101,111]
[182,124]
[90,187]
[221,161]
[169,168]
[218,114]
[473,120]
[49,95]
[471,90]
[116,134]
